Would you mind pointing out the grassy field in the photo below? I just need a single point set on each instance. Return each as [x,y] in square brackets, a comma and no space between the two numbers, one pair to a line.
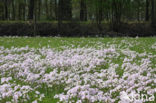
[77,70]
[38,42]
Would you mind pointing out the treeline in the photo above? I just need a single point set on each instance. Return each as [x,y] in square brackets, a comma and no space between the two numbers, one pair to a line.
[114,12]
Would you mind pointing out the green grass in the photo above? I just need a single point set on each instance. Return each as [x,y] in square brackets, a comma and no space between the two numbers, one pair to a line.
[56,42]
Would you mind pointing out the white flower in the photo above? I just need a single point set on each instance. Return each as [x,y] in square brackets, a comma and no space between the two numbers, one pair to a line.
[35,101]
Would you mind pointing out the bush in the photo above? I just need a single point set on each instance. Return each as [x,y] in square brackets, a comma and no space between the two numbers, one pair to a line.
[74,29]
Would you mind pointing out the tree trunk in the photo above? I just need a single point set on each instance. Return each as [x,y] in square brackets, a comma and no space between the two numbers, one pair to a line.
[24,10]
[1,10]
[31,10]
[19,11]
[6,9]
[153,13]
[138,14]
[100,15]
[13,10]
[39,9]
[56,10]
[116,15]
[47,9]
[60,15]
[34,18]
[83,10]
[66,7]
[51,10]
[100,11]
[147,11]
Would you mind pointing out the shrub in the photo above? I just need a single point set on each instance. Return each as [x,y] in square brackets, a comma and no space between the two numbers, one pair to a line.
[73,29]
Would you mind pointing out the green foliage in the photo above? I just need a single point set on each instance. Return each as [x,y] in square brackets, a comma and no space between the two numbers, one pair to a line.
[129,8]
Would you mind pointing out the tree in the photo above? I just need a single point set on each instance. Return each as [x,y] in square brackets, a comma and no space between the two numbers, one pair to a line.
[6,9]
[24,9]
[31,10]
[83,10]
[47,9]
[99,11]
[20,7]
[39,9]
[147,11]
[115,11]
[56,9]
[153,13]
[51,10]
[1,10]
[13,10]
[60,14]
[116,14]
[35,18]
[66,7]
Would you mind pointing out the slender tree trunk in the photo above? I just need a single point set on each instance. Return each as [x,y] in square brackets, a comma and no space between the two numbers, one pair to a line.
[56,10]
[138,14]
[47,9]
[1,10]
[83,10]
[153,13]
[51,10]
[39,9]
[35,18]
[13,10]
[70,10]
[67,9]
[116,15]
[100,15]
[24,9]
[6,9]
[60,8]
[19,11]
[147,11]
[100,11]
[31,9]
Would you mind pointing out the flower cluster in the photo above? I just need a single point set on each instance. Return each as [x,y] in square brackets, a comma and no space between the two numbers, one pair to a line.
[86,74]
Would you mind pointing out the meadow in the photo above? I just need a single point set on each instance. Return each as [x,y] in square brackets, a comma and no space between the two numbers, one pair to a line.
[77,70]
